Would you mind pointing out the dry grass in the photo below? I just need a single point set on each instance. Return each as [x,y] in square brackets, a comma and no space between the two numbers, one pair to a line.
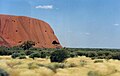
[79,66]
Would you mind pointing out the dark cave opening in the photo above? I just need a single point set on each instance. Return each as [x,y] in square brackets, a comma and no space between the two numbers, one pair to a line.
[55,42]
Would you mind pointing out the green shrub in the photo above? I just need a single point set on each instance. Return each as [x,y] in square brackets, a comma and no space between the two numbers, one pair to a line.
[22,53]
[5,51]
[28,52]
[15,55]
[59,56]
[3,72]
[101,57]
[22,57]
[18,55]
[81,53]
[33,55]
[116,55]
[73,55]
[92,54]
[43,54]
[16,48]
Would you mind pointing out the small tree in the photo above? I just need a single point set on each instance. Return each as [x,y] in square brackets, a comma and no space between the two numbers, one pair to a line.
[27,44]
[59,56]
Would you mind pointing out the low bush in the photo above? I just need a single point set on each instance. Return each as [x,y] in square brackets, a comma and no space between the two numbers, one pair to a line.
[43,54]
[15,55]
[18,55]
[35,55]
[73,55]
[59,56]
[116,55]
[28,52]
[5,51]
[22,57]
[3,72]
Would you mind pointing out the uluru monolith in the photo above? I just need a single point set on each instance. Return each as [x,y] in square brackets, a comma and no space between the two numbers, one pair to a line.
[14,30]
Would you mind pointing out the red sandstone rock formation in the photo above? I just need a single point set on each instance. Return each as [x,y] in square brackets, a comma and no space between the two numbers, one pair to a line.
[14,30]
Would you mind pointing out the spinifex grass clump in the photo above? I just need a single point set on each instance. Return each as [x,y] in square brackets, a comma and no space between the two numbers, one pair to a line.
[98,61]
[83,63]
[93,73]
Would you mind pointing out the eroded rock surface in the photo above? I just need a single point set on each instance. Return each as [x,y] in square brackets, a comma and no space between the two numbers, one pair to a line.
[14,30]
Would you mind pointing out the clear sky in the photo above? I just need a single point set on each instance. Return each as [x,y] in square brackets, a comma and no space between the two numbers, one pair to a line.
[77,23]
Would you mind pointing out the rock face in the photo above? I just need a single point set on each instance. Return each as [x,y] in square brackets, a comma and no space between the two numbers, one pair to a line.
[14,30]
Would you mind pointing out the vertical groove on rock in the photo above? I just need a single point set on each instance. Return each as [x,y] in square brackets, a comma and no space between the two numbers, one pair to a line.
[23,26]
[41,31]
[4,26]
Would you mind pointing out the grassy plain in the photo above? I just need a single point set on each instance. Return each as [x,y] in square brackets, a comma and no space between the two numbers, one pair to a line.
[77,66]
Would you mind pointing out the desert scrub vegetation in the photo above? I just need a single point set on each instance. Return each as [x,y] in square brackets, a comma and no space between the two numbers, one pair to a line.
[77,66]
[98,61]
[17,61]
[59,55]
[3,72]
[18,55]
[94,53]
[15,55]
[33,55]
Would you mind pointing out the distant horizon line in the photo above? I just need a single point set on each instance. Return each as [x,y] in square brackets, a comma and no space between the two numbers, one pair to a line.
[92,47]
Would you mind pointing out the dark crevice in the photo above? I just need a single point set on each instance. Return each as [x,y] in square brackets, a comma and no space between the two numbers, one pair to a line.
[20,41]
[13,20]
[16,30]
[55,42]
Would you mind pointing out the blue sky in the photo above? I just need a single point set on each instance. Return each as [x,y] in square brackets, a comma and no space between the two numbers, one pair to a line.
[77,23]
